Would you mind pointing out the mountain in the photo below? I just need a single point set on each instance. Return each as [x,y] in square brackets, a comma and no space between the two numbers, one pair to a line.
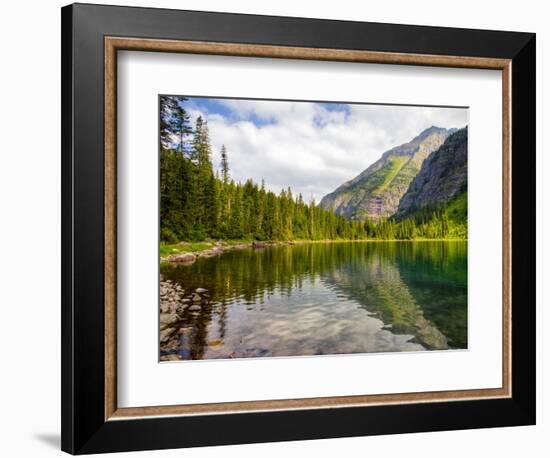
[442,178]
[376,191]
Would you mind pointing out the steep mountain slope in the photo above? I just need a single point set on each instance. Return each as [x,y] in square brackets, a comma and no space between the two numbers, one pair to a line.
[442,178]
[376,192]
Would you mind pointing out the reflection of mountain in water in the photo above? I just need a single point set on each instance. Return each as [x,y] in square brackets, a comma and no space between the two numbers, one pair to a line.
[417,288]
[381,291]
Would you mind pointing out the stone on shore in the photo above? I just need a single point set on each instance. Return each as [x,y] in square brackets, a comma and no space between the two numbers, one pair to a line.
[168,318]
[182,258]
[172,305]
[201,290]
[195,308]
[208,253]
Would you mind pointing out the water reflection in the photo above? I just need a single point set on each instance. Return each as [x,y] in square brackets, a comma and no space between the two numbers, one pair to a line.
[318,299]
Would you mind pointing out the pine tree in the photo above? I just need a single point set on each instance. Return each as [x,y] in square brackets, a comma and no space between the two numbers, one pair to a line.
[203,191]
[166,106]
[224,165]
[174,169]
[236,221]
[174,122]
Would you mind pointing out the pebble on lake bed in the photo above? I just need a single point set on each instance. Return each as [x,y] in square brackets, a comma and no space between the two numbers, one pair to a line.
[170,358]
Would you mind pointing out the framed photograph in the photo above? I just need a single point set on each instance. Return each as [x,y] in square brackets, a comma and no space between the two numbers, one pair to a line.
[284,228]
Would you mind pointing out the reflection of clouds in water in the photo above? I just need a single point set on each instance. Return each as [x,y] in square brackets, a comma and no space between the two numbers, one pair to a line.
[285,328]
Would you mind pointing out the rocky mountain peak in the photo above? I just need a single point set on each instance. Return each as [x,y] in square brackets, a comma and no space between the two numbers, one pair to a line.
[442,177]
[376,191]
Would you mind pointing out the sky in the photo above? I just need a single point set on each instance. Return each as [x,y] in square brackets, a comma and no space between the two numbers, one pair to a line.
[311,147]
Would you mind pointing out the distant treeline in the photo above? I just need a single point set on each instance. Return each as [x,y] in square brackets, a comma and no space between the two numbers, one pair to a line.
[197,202]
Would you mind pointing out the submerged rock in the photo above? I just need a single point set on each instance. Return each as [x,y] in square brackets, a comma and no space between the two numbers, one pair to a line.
[172,357]
[166,333]
[182,308]
[201,290]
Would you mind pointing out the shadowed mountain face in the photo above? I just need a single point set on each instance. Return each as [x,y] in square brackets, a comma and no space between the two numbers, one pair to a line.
[443,176]
[376,192]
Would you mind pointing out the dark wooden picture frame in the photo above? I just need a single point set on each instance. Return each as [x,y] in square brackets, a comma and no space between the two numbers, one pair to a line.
[91,37]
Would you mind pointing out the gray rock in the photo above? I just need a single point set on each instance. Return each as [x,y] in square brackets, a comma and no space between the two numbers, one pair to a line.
[208,254]
[201,290]
[182,308]
[182,258]
[168,318]
[195,308]
[442,176]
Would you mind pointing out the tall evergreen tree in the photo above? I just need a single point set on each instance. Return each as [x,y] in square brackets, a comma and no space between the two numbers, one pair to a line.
[224,165]
[174,122]
[202,189]
[175,170]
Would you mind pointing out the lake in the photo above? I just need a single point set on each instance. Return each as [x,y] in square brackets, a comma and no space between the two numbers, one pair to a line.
[322,299]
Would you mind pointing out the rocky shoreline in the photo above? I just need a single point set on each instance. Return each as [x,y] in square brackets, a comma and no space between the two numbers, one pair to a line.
[175,302]
[218,249]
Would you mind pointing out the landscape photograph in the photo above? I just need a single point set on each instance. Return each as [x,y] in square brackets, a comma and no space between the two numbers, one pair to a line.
[309,228]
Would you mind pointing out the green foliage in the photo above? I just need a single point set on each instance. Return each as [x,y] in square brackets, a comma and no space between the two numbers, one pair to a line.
[395,165]
[437,221]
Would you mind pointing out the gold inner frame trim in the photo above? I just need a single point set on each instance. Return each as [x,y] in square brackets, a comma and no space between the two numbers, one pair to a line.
[114,44]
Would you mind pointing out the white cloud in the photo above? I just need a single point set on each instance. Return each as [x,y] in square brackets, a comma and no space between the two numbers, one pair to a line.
[310,148]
